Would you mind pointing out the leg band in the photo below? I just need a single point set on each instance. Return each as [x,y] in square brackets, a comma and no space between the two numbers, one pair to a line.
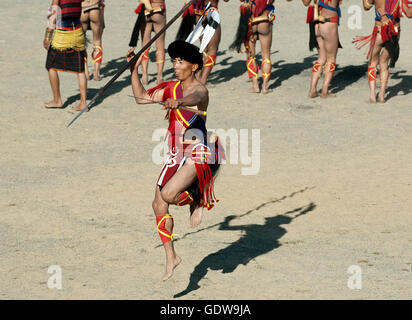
[146,55]
[158,61]
[184,199]
[266,75]
[210,62]
[371,74]
[316,66]
[99,56]
[164,234]
[332,67]
[252,67]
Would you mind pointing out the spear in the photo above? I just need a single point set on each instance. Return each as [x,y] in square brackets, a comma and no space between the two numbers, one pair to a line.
[132,61]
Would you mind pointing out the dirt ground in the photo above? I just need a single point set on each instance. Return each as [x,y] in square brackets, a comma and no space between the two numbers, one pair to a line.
[333,189]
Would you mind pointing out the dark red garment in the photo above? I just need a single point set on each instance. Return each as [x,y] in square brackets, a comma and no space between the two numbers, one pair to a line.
[71,9]
[259,7]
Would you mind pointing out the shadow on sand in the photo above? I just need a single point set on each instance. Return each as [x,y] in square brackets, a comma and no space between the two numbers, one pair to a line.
[256,240]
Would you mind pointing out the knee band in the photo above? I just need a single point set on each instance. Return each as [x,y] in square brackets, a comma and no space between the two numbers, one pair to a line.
[158,61]
[371,74]
[332,67]
[316,66]
[146,55]
[184,199]
[266,75]
[165,235]
[210,62]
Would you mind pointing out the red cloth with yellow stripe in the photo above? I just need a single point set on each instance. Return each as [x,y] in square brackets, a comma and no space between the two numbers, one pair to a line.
[179,150]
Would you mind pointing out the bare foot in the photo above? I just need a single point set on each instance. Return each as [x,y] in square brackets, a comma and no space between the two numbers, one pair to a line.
[266,90]
[195,216]
[313,94]
[254,90]
[53,104]
[96,77]
[327,95]
[170,267]
[80,107]
[381,99]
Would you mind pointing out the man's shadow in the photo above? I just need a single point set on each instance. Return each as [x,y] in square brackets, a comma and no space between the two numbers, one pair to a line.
[255,241]
[283,72]
[346,76]
[405,85]
[107,71]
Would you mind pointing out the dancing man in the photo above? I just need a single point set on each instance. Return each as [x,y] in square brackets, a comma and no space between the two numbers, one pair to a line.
[384,42]
[323,18]
[256,23]
[187,176]
[65,44]
[151,18]
[93,18]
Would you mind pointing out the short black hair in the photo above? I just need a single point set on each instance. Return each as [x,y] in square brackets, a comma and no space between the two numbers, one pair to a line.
[186,51]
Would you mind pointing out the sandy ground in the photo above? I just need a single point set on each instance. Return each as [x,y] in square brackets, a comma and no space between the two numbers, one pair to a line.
[333,189]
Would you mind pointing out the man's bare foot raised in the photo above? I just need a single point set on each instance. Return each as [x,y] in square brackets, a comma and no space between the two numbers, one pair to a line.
[195,216]
[170,267]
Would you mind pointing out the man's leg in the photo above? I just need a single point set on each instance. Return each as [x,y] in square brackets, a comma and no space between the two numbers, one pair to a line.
[331,42]
[164,224]
[159,21]
[81,77]
[317,69]
[265,37]
[55,86]
[252,66]
[383,74]
[210,57]
[97,54]
[84,18]
[373,63]
[171,194]
[147,31]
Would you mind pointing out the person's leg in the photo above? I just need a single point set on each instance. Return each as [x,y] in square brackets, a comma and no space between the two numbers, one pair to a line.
[331,41]
[164,224]
[318,66]
[265,36]
[97,54]
[159,21]
[210,56]
[373,63]
[84,19]
[81,77]
[55,86]
[252,66]
[147,31]
[383,74]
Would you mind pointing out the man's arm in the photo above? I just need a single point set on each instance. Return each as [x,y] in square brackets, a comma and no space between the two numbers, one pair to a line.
[138,90]
[49,30]
[199,97]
